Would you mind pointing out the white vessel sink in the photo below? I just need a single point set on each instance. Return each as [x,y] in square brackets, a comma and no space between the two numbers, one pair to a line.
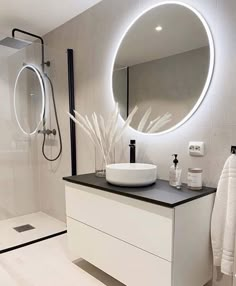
[131,174]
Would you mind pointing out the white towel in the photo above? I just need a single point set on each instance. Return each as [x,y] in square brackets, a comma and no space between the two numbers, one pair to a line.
[223,224]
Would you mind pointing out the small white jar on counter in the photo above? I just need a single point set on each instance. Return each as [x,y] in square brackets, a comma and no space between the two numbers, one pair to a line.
[195,179]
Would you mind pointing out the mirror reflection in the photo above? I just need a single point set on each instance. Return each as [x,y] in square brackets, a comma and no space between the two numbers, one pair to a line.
[162,67]
[29,99]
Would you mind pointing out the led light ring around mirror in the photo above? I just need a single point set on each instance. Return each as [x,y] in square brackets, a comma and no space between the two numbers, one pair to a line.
[43,97]
[211,64]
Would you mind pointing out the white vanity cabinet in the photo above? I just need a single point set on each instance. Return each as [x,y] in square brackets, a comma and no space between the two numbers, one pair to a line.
[141,243]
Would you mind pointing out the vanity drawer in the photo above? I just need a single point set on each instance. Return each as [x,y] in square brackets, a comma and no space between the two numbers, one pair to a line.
[126,263]
[146,226]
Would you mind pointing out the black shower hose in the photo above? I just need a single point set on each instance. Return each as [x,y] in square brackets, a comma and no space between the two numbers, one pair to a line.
[57,123]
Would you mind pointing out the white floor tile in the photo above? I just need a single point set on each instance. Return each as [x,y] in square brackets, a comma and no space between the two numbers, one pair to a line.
[44,226]
[46,263]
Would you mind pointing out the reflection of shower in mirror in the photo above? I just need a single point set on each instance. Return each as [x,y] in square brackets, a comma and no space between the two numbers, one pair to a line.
[28,77]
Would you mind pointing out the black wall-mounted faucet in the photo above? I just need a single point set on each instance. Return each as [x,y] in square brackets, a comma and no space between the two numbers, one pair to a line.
[132,151]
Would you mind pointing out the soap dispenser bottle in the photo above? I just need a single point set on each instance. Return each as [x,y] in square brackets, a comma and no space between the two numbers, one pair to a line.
[175,173]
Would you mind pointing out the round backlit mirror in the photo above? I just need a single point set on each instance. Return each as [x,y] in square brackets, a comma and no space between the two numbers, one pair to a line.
[29,99]
[163,65]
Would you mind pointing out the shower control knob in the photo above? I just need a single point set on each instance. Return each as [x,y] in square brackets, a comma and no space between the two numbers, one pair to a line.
[48,132]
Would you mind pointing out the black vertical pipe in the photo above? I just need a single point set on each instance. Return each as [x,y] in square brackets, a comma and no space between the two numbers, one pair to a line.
[127,92]
[70,61]
[35,36]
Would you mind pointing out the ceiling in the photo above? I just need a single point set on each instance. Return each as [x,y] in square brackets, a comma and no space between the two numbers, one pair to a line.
[39,16]
[182,31]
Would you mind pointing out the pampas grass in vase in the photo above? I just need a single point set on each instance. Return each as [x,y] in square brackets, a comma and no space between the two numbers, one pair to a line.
[103,134]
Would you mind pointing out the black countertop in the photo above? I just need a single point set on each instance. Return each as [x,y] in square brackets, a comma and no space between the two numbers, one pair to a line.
[160,193]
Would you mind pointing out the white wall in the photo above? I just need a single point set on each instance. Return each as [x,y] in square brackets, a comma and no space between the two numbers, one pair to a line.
[94,36]
[51,186]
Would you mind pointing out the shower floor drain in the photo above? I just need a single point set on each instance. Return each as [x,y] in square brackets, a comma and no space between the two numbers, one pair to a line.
[23,228]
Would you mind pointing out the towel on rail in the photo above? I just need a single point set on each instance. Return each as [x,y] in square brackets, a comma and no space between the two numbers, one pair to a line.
[223,224]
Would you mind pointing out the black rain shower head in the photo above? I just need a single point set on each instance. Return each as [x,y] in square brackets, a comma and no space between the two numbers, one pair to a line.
[14,43]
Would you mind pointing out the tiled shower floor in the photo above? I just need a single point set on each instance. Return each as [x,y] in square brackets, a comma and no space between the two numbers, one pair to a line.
[43,226]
